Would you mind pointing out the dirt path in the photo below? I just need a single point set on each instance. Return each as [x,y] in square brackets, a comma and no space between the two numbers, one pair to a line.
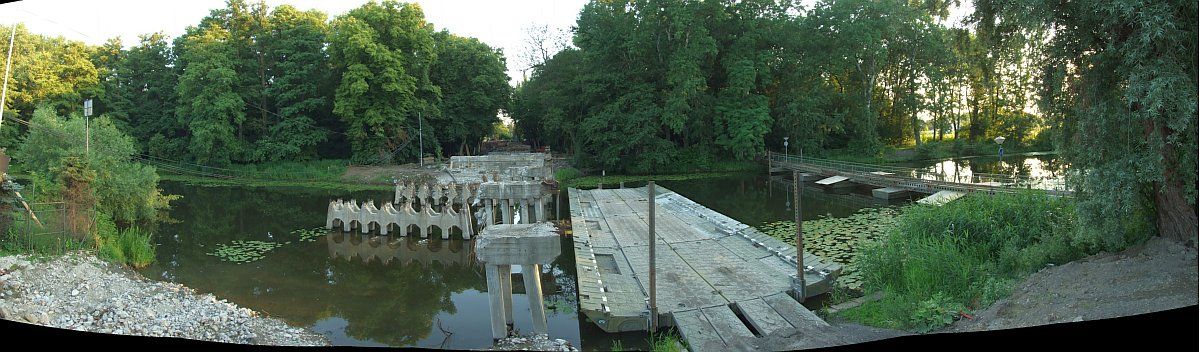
[1158,275]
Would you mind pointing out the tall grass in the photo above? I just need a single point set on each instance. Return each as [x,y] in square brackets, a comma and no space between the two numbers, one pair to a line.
[131,246]
[940,261]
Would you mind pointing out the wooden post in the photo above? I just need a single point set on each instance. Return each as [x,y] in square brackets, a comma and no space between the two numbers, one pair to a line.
[653,287]
[799,238]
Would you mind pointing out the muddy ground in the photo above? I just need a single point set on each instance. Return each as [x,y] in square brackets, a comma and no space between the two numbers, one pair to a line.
[1156,276]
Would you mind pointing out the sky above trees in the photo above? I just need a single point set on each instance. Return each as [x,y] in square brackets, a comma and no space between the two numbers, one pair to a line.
[500,24]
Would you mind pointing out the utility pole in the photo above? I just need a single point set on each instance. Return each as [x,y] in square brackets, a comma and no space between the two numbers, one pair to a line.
[420,139]
[7,67]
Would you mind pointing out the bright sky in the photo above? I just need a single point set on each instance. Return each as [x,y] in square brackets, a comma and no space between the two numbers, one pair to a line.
[498,23]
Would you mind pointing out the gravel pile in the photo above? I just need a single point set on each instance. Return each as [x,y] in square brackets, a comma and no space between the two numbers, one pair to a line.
[539,342]
[81,292]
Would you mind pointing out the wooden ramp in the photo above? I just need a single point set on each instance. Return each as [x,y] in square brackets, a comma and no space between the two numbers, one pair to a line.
[710,268]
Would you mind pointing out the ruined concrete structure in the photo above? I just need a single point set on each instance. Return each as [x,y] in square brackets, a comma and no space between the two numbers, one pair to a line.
[499,247]
[529,197]
[494,188]
[421,208]
[509,166]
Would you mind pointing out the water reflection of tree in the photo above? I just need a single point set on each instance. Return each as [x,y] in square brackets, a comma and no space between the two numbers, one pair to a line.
[394,304]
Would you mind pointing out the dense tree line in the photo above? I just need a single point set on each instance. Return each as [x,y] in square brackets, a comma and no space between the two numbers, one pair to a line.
[660,86]
[251,83]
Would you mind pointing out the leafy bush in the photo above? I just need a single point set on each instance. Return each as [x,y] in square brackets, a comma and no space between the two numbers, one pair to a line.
[967,252]
[935,312]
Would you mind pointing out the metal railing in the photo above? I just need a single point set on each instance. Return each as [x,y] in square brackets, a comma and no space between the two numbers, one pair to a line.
[919,179]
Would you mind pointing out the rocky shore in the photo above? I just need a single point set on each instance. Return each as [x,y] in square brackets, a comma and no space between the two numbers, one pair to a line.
[81,292]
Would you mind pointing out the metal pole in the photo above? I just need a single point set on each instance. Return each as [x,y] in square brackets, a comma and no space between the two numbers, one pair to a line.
[653,286]
[7,67]
[799,235]
[420,139]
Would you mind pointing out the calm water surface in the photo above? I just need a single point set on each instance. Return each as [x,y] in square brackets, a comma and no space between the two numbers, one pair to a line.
[431,293]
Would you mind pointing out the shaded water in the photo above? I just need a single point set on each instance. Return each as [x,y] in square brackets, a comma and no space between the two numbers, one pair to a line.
[424,287]
[410,292]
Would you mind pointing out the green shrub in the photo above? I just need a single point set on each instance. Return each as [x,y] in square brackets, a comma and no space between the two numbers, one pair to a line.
[968,252]
[936,312]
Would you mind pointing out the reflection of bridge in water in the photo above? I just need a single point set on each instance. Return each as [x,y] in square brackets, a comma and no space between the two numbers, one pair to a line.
[404,251]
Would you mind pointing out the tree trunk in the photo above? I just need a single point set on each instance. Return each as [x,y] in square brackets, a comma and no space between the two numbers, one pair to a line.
[1175,218]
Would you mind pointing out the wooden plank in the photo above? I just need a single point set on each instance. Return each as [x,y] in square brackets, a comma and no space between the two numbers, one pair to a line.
[727,324]
[699,333]
[793,312]
[764,318]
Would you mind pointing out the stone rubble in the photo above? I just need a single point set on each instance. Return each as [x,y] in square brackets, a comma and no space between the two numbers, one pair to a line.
[538,342]
[81,292]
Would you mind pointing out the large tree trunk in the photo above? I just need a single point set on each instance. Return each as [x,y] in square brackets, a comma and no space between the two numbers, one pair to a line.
[1176,219]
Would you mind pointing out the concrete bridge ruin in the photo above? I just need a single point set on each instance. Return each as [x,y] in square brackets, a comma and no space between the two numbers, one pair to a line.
[515,193]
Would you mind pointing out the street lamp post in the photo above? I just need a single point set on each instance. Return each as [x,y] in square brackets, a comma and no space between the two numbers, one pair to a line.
[785,149]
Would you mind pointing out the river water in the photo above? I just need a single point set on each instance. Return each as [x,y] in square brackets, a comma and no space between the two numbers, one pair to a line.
[427,293]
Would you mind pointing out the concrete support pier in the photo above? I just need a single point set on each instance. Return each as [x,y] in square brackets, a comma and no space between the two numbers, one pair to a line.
[500,247]
[889,193]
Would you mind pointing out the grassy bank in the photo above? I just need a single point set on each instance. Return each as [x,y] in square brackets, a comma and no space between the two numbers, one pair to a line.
[244,182]
[940,262]
[570,177]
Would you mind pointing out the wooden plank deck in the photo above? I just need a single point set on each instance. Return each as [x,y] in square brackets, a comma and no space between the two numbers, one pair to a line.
[707,263]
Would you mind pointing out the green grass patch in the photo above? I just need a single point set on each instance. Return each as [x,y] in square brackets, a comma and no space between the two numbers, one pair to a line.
[322,170]
[941,261]
[334,185]
[131,246]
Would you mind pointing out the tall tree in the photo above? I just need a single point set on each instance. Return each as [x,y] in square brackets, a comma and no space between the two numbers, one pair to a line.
[300,66]
[1126,71]
[383,52]
[210,106]
[474,85]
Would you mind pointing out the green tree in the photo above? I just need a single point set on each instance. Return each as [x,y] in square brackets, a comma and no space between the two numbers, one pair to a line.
[471,76]
[124,189]
[1125,74]
[382,53]
[297,43]
[210,106]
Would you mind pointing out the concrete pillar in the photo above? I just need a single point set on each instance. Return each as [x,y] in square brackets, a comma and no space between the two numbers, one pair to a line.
[506,207]
[505,272]
[533,290]
[525,211]
[541,209]
[489,216]
[496,303]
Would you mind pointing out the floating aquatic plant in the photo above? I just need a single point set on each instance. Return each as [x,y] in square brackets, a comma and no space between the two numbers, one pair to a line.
[244,251]
[838,239]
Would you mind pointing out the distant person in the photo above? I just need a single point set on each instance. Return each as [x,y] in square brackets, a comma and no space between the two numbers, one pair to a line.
[1001,152]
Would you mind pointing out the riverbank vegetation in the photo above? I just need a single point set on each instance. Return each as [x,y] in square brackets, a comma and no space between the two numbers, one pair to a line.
[97,194]
[941,262]
[644,87]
